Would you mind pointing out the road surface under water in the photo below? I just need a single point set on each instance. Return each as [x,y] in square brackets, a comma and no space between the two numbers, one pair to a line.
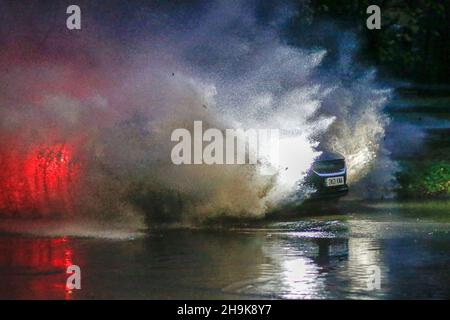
[319,256]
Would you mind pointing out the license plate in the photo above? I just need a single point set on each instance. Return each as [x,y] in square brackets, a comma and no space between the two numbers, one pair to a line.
[335,181]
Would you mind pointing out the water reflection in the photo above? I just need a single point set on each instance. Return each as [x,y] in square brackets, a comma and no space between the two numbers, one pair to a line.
[35,268]
[300,265]
[364,253]
[298,260]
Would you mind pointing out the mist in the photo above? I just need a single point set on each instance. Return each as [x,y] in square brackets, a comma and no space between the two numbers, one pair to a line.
[86,117]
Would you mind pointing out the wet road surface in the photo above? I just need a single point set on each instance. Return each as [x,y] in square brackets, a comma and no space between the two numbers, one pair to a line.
[326,256]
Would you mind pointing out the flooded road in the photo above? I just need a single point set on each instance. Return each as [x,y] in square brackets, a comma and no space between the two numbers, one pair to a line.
[326,256]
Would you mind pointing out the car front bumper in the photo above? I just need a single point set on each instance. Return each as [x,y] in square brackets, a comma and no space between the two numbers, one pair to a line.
[318,182]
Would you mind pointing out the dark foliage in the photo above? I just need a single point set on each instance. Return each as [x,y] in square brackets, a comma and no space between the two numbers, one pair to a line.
[413,42]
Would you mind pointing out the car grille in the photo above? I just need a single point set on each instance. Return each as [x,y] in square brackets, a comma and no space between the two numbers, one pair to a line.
[329,166]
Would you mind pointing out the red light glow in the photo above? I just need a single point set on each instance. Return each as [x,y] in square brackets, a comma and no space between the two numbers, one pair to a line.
[37,182]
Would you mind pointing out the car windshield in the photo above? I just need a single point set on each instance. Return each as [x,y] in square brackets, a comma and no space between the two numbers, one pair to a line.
[329,166]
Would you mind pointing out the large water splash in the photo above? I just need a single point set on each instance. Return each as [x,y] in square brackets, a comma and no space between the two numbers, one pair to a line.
[112,107]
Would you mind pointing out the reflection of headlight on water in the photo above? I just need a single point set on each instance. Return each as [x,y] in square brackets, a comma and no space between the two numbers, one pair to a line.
[364,254]
[302,279]
[302,276]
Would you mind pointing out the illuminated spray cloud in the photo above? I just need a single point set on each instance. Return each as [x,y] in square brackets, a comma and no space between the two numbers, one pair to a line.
[86,121]
[235,146]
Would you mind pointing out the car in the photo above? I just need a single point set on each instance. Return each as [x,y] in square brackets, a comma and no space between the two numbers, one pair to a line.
[328,176]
